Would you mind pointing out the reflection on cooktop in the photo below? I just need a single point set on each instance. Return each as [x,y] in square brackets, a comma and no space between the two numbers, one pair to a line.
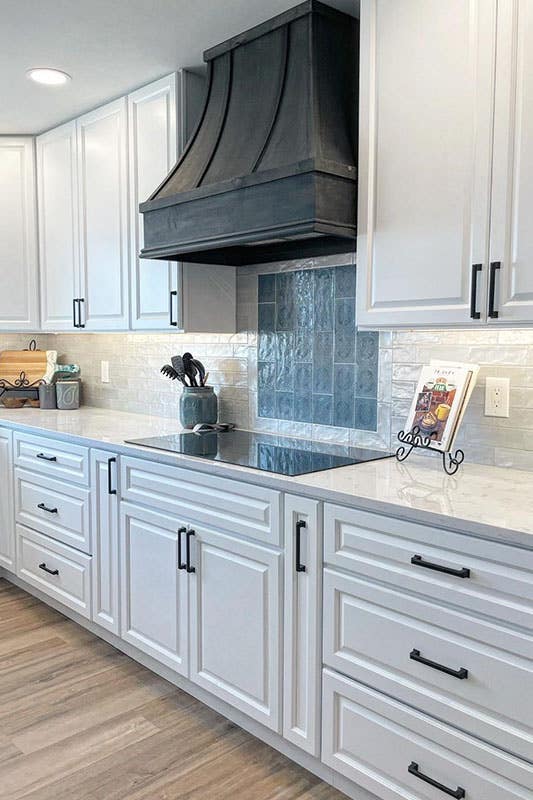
[279,454]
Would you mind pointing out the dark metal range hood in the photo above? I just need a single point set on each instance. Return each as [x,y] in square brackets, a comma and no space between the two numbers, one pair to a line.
[270,171]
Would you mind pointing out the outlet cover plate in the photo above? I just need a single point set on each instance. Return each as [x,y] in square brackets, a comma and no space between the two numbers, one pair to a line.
[497,397]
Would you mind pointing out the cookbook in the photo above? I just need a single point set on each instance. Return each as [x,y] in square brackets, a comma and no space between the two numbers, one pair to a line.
[442,394]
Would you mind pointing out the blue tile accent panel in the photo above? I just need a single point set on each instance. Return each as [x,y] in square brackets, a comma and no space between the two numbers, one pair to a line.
[313,364]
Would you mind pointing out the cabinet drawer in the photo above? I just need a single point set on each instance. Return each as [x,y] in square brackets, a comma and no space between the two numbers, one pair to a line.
[498,578]
[57,570]
[53,508]
[384,638]
[203,499]
[55,459]
[373,740]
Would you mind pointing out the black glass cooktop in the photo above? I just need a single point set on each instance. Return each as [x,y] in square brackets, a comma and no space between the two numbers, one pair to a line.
[284,455]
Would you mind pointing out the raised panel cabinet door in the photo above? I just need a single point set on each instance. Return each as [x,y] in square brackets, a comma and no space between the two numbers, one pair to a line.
[152,154]
[154,594]
[235,597]
[19,298]
[302,623]
[426,105]
[7,514]
[104,231]
[104,521]
[57,181]
[511,247]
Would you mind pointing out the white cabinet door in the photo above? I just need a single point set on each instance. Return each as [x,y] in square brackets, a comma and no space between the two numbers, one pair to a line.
[302,621]
[511,250]
[152,154]
[7,514]
[19,303]
[235,592]
[58,226]
[104,521]
[154,592]
[424,159]
[103,198]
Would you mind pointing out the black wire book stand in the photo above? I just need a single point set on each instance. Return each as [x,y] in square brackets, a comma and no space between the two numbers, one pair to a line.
[415,440]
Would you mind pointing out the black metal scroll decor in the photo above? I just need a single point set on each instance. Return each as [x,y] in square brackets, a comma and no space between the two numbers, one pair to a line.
[21,387]
[415,439]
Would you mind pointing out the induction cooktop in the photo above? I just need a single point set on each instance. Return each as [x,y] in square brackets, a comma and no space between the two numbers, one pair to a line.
[281,454]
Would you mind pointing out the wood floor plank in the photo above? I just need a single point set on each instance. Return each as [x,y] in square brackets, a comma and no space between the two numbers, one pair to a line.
[81,721]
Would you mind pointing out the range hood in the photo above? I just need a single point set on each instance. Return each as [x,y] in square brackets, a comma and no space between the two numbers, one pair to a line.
[270,171]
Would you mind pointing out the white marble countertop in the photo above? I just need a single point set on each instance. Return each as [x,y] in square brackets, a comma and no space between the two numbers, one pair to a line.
[480,500]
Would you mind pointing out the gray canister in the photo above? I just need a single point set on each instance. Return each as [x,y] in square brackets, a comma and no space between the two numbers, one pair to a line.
[198,404]
[47,395]
[68,395]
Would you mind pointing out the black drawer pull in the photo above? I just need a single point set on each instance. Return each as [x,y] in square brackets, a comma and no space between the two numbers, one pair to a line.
[181,564]
[494,267]
[418,561]
[413,769]
[461,673]
[110,489]
[45,508]
[171,306]
[473,291]
[45,458]
[50,571]
[189,534]
[298,549]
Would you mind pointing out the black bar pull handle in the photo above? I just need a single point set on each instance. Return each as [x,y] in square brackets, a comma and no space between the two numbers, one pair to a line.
[418,561]
[45,508]
[189,534]
[46,569]
[298,548]
[173,322]
[74,307]
[46,458]
[494,267]
[110,489]
[476,268]
[461,673]
[413,770]
[181,564]
[80,323]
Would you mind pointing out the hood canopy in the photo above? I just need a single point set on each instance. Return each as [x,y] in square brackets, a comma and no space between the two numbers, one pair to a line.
[270,171]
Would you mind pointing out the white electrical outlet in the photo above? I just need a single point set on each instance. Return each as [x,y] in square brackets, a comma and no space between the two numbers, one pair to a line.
[104,371]
[497,397]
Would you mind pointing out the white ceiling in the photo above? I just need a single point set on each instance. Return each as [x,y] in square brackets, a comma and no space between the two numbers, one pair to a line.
[109,47]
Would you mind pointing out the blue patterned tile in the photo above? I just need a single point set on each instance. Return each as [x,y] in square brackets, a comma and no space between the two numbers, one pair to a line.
[285,314]
[266,399]
[323,363]
[305,304]
[367,347]
[303,407]
[266,337]
[284,361]
[303,345]
[344,379]
[266,288]
[343,411]
[284,405]
[366,414]
[345,281]
[323,409]
[344,331]
[323,299]
[367,381]
[303,397]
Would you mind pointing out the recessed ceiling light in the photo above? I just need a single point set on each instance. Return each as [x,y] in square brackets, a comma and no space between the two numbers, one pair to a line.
[50,77]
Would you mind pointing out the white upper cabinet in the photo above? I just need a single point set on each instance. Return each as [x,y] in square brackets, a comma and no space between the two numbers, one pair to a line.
[19,303]
[426,118]
[58,226]
[511,243]
[103,205]
[152,154]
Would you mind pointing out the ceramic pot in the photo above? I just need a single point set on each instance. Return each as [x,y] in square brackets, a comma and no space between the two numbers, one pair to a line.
[198,404]
[47,395]
[68,395]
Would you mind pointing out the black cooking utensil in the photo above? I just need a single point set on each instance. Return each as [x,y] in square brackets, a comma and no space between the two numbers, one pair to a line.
[190,369]
[201,370]
[177,363]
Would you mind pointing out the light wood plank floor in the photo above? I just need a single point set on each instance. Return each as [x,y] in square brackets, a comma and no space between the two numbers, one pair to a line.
[81,721]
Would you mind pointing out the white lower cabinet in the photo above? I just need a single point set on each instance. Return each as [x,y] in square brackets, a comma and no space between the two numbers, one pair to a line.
[104,514]
[302,623]
[7,514]
[154,592]
[235,592]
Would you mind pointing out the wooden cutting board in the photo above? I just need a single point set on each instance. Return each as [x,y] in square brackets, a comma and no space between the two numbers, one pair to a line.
[36,364]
